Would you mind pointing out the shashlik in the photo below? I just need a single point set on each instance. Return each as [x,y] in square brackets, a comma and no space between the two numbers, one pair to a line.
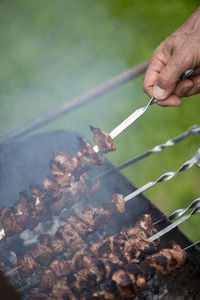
[66,184]
[124,282]
[69,237]
[131,279]
[89,261]
[168,259]
[103,140]
[35,206]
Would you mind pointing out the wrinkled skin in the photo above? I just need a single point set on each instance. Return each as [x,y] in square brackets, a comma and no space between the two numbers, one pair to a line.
[176,54]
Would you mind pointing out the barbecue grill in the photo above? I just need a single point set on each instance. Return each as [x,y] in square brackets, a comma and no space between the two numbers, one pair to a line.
[26,160]
[30,164]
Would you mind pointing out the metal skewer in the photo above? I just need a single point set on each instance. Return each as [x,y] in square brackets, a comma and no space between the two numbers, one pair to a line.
[128,121]
[166,176]
[192,245]
[139,112]
[179,212]
[11,271]
[193,130]
[196,210]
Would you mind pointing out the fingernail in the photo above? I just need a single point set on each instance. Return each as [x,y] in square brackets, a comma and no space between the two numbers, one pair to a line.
[158,92]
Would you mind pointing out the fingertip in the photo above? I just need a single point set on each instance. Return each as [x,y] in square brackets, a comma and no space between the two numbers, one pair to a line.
[172,101]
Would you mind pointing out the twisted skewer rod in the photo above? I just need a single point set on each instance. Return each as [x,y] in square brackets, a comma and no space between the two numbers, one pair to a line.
[162,232]
[179,212]
[193,130]
[166,176]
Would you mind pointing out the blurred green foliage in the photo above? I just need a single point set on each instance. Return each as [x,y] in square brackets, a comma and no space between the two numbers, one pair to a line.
[52,51]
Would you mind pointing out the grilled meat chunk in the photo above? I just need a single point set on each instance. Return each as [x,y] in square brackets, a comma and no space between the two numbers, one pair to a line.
[118,200]
[103,140]
[57,244]
[42,254]
[61,267]
[63,163]
[109,249]
[167,260]
[27,265]
[47,279]
[11,221]
[135,249]
[81,227]
[61,290]
[72,238]
[83,260]
[107,291]
[95,216]
[124,284]
[81,280]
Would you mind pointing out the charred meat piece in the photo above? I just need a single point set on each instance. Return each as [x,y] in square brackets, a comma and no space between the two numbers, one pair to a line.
[61,290]
[81,280]
[23,206]
[61,267]
[134,232]
[139,276]
[51,188]
[130,281]
[83,260]
[37,192]
[118,200]
[57,244]
[124,284]
[44,239]
[109,250]
[167,260]
[47,279]
[39,212]
[70,195]
[95,216]
[109,266]
[86,157]
[81,227]
[11,221]
[107,291]
[42,254]
[72,238]
[103,140]
[135,249]
[27,265]
[63,180]
[63,163]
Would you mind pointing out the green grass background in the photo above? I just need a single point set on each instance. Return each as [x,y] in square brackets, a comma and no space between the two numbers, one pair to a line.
[52,51]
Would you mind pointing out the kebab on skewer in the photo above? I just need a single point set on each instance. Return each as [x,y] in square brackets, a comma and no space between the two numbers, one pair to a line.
[62,188]
[69,238]
[88,263]
[125,281]
[128,281]
[86,267]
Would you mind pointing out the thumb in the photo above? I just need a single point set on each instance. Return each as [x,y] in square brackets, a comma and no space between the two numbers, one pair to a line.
[168,77]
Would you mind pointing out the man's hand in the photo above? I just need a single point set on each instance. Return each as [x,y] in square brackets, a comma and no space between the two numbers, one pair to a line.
[176,54]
